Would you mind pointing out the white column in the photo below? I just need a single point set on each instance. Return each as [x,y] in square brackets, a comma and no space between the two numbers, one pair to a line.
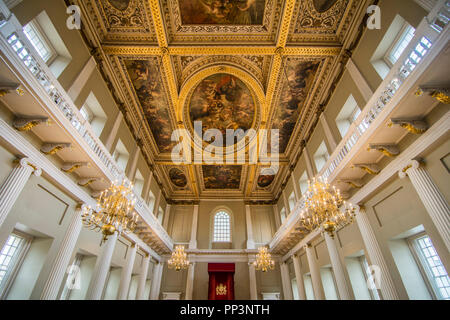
[113,132]
[248,219]
[62,259]
[193,242]
[81,79]
[386,283]
[125,276]
[286,203]
[309,165]
[340,271]
[166,216]
[190,280]
[143,278]
[101,269]
[156,281]
[328,134]
[147,187]
[286,281]
[277,217]
[319,294]
[359,80]
[432,198]
[295,186]
[253,285]
[299,278]
[14,184]
[133,166]
[157,201]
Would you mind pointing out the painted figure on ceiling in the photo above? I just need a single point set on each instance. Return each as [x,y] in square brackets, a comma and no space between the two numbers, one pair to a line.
[224,12]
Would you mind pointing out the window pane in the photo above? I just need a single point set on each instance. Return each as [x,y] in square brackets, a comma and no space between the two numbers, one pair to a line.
[222,228]
[9,254]
[434,267]
[402,44]
[38,42]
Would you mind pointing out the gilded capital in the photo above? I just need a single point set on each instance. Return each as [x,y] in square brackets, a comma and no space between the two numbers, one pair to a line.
[413,164]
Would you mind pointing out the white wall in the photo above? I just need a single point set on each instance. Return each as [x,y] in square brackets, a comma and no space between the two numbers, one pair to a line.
[357,279]
[112,286]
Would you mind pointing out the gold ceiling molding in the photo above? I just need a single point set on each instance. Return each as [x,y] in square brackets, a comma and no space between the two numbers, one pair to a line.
[286,22]
[313,51]
[273,81]
[201,62]
[171,80]
[222,50]
[133,24]
[330,25]
[158,22]
[126,50]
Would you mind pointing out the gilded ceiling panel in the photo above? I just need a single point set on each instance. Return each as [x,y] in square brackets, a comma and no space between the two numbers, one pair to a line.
[122,20]
[145,76]
[221,177]
[257,66]
[222,20]
[222,12]
[319,20]
[298,76]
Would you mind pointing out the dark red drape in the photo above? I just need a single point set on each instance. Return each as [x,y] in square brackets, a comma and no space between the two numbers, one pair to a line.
[221,281]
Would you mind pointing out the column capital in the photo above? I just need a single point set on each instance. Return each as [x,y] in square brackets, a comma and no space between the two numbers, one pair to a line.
[412,164]
[26,162]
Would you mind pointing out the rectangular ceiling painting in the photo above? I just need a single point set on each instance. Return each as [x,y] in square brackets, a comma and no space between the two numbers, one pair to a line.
[298,79]
[145,76]
[222,177]
[222,12]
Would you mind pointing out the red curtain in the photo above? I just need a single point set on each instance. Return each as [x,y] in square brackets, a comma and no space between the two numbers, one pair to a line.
[221,281]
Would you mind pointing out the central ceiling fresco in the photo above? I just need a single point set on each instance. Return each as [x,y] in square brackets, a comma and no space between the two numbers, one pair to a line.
[231,64]
[222,102]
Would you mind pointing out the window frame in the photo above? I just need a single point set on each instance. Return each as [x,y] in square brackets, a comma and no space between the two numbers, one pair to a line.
[404,31]
[42,37]
[230,235]
[17,263]
[423,266]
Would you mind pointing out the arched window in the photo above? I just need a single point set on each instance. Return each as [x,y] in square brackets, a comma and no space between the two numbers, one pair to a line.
[222,227]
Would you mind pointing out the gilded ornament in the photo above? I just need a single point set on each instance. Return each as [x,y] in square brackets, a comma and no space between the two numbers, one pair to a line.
[221,290]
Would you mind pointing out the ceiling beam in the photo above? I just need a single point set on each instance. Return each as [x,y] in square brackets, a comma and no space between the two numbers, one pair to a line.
[164,52]
[312,50]
[277,61]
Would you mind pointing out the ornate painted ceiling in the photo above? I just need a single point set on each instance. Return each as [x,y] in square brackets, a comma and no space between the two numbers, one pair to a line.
[232,64]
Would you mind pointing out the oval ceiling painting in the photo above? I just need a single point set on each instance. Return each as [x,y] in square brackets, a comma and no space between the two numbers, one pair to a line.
[177,177]
[222,101]
[121,5]
[323,5]
[266,178]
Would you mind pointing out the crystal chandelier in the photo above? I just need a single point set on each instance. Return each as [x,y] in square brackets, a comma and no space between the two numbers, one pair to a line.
[114,211]
[178,260]
[264,260]
[324,207]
